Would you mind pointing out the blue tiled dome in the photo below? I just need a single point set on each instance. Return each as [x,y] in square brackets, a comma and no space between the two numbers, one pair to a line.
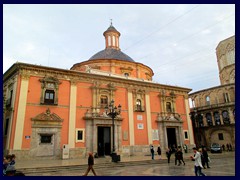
[110,53]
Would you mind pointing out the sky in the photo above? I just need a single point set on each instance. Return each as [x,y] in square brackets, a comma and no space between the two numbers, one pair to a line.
[178,42]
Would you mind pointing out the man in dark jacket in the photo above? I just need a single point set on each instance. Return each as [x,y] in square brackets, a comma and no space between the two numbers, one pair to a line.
[90,164]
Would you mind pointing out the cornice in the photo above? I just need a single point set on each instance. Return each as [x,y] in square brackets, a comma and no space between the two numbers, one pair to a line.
[42,71]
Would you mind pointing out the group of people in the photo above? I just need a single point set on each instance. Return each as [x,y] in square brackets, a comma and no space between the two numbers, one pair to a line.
[9,166]
[200,157]
[178,155]
[228,146]
[159,151]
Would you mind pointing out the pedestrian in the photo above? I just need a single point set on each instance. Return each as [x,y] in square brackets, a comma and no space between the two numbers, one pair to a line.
[6,163]
[174,150]
[159,151]
[180,156]
[197,163]
[205,157]
[185,148]
[227,147]
[90,164]
[230,147]
[10,171]
[168,154]
[13,157]
[223,147]
[152,151]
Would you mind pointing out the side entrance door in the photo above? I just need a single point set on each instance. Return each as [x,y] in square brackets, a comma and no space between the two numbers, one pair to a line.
[104,141]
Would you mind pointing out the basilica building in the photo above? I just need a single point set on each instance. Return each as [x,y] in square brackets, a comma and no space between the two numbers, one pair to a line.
[213,111]
[104,104]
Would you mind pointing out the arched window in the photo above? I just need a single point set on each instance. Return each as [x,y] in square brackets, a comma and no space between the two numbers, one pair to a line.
[109,41]
[200,120]
[139,105]
[209,119]
[207,100]
[217,118]
[168,107]
[226,119]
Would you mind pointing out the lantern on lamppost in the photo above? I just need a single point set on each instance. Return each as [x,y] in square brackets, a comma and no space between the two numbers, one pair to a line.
[112,112]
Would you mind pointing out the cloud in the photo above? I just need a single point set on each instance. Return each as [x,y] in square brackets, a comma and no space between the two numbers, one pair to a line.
[177,41]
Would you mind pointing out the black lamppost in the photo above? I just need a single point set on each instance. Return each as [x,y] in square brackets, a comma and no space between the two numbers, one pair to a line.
[112,112]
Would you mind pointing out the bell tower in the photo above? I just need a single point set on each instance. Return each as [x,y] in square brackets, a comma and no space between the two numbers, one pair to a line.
[112,37]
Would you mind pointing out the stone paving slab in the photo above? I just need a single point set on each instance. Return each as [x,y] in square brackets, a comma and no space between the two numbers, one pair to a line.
[103,160]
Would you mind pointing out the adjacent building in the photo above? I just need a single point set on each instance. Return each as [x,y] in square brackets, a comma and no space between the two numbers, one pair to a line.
[46,108]
[213,112]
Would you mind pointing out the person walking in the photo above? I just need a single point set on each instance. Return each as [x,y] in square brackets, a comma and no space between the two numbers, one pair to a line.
[159,151]
[197,163]
[152,151]
[90,164]
[168,154]
[205,158]
[180,157]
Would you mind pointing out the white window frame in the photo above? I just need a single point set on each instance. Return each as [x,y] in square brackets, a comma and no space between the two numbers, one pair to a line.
[83,134]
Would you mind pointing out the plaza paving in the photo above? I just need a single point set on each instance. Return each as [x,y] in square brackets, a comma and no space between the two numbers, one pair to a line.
[221,165]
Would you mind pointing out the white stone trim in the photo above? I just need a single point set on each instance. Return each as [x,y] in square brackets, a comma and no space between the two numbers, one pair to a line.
[149,120]
[83,135]
[21,115]
[130,118]
[72,116]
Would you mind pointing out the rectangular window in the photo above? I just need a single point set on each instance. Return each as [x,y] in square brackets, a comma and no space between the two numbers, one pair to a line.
[6,127]
[220,136]
[80,133]
[46,138]
[185,134]
[49,97]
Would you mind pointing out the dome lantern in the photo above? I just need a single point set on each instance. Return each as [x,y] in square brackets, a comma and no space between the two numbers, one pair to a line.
[112,37]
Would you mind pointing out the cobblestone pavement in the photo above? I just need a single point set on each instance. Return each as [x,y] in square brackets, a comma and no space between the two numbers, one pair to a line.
[220,166]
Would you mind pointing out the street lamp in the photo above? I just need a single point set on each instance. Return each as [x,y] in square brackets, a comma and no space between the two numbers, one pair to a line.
[112,112]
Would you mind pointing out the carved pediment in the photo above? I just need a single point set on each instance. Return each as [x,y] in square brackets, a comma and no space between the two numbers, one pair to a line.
[47,117]
[169,117]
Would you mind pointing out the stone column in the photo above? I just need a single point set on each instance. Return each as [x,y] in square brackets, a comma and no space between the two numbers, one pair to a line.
[189,122]
[149,120]
[20,118]
[231,117]
[221,117]
[94,133]
[130,118]
[213,119]
[72,114]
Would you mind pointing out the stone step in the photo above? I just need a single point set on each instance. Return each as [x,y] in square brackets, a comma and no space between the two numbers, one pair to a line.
[39,170]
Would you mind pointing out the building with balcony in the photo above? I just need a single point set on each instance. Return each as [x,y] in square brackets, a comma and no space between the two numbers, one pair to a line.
[213,111]
[47,108]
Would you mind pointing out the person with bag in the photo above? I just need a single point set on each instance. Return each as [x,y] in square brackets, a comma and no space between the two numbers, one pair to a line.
[197,163]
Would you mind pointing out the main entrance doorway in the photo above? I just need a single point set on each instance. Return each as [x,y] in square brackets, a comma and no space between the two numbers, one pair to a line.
[171,136]
[104,141]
